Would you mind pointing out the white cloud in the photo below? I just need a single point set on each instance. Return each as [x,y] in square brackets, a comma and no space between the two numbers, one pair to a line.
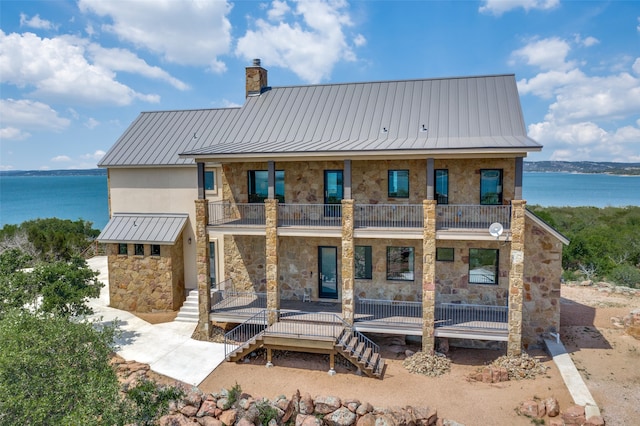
[6,167]
[309,39]
[547,54]
[61,159]
[97,155]
[91,123]
[58,69]
[498,7]
[638,27]
[29,114]
[589,117]
[184,32]
[359,40]
[36,22]
[13,133]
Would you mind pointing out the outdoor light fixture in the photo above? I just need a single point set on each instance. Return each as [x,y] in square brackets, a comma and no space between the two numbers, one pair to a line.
[189,241]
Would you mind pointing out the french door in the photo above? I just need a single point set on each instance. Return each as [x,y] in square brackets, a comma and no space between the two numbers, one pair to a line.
[333,193]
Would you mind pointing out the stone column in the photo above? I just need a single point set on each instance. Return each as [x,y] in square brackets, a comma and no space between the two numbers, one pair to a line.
[516,281]
[428,275]
[203,329]
[273,284]
[348,300]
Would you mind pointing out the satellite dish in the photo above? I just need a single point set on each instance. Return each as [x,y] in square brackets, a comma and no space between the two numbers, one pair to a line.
[495,229]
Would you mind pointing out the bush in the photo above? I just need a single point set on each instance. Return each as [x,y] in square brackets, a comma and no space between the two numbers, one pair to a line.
[626,275]
[151,401]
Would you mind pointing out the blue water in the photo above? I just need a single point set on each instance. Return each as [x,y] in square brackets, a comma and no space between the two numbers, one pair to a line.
[66,197]
[85,197]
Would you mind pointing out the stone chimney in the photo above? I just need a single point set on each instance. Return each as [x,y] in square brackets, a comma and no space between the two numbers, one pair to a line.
[256,79]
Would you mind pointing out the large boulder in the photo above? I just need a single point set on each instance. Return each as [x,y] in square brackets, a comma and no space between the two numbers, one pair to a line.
[327,404]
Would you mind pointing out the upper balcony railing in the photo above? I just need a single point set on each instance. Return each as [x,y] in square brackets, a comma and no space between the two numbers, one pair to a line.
[236,214]
[310,215]
[388,216]
[448,216]
[462,216]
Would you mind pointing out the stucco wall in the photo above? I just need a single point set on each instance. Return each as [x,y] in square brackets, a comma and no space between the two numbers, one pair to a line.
[160,190]
[146,283]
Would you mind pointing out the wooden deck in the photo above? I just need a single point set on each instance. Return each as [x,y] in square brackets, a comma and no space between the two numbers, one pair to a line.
[298,315]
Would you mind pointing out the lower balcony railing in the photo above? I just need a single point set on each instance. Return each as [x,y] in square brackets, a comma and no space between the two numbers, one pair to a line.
[310,215]
[462,315]
[388,311]
[451,216]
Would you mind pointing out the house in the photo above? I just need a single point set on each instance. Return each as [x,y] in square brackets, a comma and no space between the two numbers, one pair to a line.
[396,204]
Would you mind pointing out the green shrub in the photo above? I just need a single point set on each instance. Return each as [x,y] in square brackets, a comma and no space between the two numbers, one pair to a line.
[151,401]
[266,412]
[626,275]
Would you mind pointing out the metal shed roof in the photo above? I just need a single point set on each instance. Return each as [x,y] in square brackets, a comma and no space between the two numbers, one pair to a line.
[431,114]
[156,138]
[163,229]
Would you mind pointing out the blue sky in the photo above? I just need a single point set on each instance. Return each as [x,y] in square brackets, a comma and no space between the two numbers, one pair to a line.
[75,74]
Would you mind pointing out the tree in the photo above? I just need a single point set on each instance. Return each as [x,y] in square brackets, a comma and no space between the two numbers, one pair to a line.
[56,371]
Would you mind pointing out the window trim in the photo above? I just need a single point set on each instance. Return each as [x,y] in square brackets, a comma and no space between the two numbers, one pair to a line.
[154,246]
[126,249]
[389,174]
[500,192]
[213,173]
[411,261]
[368,263]
[496,273]
[135,249]
[440,257]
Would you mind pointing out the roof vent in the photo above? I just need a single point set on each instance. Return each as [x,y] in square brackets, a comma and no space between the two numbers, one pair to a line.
[256,62]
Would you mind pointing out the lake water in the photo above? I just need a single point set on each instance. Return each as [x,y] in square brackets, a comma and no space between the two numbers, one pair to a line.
[85,197]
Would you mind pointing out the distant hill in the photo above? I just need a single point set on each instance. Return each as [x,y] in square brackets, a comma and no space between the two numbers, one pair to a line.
[583,167]
[73,172]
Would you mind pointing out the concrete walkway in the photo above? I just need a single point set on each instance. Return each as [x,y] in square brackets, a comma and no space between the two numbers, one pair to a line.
[572,378]
[168,348]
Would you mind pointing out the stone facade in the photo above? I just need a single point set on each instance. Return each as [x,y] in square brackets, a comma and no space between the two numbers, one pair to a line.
[203,329]
[516,271]
[146,283]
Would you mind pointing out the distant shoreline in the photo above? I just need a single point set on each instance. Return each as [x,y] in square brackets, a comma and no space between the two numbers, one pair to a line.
[66,172]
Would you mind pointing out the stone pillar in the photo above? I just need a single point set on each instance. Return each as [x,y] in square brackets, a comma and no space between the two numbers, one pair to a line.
[203,329]
[428,275]
[348,267]
[273,284]
[516,280]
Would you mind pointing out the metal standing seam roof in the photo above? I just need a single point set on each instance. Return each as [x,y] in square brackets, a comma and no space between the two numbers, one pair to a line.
[431,114]
[474,113]
[156,138]
[163,229]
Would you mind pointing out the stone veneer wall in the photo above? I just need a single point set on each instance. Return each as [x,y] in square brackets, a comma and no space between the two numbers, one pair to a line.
[542,273]
[245,261]
[304,181]
[452,278]
[146,283]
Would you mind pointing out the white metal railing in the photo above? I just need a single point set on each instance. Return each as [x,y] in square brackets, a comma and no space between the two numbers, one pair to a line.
[389,216]
[391,311]
[471,216]
[230,300]
[236,214]
[463,315]
[313,215]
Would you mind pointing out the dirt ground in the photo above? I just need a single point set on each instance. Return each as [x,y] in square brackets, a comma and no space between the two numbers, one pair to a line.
[608,359]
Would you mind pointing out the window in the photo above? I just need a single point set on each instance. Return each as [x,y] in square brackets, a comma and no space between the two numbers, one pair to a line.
[400,263]
[483,266]
[122,248]
[209,180]
[444,254]
[442,186]
[362,260]
[155,250]
[259,186]
[491,186]
[398,184]
[138,249]
[212,265]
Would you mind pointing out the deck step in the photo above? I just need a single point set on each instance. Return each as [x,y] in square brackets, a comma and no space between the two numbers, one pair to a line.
[245,349]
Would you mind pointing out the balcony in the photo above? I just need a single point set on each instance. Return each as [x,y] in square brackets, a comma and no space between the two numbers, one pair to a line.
[408,217]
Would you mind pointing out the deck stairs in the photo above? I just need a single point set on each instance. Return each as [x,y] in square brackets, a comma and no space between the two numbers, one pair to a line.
[189,310]
[361,352]
[246,348]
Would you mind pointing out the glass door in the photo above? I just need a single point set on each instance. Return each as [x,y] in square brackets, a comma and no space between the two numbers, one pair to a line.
[328,276]
[333,193]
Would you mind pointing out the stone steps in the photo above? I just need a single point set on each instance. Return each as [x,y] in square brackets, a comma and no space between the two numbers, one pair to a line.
[189,310]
